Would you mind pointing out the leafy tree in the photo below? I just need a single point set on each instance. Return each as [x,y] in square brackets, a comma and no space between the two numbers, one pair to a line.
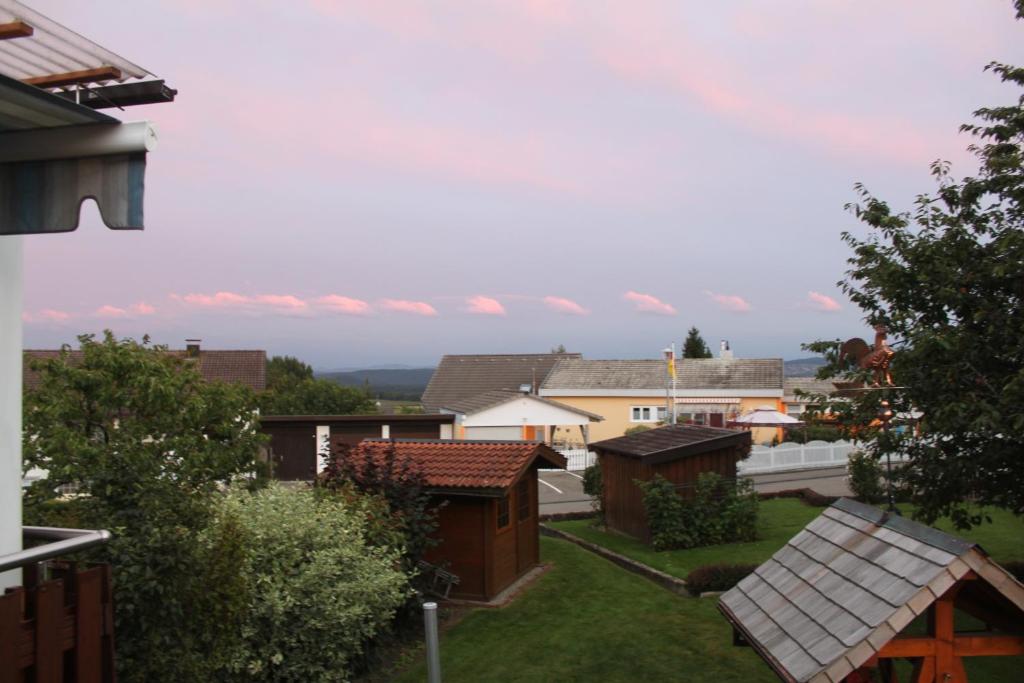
[558,349]
[283,371]
[145,441]
[315,397]
[947,281]
[694,345]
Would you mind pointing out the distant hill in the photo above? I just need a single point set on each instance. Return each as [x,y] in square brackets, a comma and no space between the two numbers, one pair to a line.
[802,367]
[403,384]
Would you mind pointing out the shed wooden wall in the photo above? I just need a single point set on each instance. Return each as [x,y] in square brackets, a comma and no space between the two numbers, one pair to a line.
[623,499]
[486,560]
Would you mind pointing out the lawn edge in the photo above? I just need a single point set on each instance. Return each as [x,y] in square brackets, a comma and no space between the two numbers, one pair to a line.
[667,581]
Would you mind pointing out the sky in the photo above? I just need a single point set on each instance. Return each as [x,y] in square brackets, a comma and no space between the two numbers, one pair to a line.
[362,183]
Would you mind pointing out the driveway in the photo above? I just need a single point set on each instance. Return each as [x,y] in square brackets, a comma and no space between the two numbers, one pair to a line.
[562,491]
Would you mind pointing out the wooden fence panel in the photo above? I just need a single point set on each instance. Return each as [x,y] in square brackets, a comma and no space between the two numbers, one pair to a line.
[49,615]
[89,625]
[10,636]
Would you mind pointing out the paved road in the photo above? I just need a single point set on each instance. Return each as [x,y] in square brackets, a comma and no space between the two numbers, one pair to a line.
[563,491]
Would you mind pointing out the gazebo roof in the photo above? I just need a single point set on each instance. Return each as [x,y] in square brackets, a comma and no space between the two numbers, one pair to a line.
[843,588]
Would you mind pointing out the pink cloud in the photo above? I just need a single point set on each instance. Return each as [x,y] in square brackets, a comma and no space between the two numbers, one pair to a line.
[730,302]
[108,311]
[142,308]
[286,301]
[404,306]
[821,302]
[220,299]
[647,303]
[343,304]
[46,315]
[484,305]
[557,303]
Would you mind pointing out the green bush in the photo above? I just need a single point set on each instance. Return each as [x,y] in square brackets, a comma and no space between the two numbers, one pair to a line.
[593,485]
[316,588]
[865,474]
[716,577]
[719,511]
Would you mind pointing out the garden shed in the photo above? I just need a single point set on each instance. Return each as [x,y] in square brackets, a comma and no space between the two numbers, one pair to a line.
[488,526]
[679,453]
[858,588]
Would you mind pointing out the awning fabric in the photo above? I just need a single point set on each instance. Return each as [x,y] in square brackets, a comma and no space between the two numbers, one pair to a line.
[45,196]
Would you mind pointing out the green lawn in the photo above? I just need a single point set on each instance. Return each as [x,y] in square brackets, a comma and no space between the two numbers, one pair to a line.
[778,521]
[588,620]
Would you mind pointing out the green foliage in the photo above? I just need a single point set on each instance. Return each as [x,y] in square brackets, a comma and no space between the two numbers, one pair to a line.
[716,577]
[814,432]
[283,371]
[315,397]
[318,587]
[947,281]
[558,349]
[394,480]
[694,345]
[865,476]
[145,442]
[718,512]
[593,485]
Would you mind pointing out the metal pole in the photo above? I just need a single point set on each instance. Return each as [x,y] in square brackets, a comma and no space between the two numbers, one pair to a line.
[675,370]
[433,649]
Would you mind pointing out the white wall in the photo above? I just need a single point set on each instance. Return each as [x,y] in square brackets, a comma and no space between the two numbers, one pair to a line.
[525,411]
[323,435]
[10,400]
[495,433]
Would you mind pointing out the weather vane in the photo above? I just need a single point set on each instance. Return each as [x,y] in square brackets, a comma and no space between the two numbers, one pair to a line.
[877,358]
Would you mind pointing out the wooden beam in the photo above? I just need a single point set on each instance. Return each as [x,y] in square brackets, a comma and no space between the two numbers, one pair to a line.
[908,647]
[103,73]
[987,646]
[15,29]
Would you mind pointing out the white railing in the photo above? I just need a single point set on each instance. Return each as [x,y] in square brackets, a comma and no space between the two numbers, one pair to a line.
[796,456]
[578,459]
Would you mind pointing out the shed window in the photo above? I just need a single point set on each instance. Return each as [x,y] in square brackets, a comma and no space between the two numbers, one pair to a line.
[503,512]
[523,499]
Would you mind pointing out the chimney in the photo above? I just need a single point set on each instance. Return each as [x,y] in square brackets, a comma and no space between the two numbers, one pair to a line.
[192,348]
[725,353]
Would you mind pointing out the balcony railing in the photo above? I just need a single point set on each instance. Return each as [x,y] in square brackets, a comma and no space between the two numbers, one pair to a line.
[59,624]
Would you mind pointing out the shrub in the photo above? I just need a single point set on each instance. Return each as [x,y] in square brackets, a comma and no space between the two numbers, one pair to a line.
[716,577]
[865,475]
[593,485]
[636,429]
[719,511]
[316,589]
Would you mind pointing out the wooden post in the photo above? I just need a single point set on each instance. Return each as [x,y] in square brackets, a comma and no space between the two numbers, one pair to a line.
[89,625]
[10,635]
[49,657]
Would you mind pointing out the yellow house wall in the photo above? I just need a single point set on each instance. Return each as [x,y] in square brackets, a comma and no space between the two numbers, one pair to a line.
[617,411]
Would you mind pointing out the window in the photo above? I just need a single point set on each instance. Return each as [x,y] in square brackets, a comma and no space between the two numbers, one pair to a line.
[523,499]
[503,512]
[647,413]
[662,413]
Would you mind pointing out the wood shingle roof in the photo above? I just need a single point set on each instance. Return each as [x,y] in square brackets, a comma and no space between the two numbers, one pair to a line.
[846,585]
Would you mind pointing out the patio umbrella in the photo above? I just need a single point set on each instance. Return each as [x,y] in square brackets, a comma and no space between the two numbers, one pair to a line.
[766,416]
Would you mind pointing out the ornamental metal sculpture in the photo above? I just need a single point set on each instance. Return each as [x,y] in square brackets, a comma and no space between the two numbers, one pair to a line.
[876,358]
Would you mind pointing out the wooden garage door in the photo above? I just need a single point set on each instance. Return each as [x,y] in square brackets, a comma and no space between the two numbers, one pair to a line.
[294,452]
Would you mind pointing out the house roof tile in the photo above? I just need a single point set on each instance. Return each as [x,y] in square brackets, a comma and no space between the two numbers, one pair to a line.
[234,367]
[473,465]
[459,377]
[691,373]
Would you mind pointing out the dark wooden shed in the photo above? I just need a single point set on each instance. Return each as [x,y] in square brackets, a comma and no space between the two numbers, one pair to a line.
[679,453]
[488,527]
[296,440]
[859,588]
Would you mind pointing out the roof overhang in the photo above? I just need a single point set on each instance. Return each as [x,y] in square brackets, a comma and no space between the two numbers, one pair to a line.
[660,393]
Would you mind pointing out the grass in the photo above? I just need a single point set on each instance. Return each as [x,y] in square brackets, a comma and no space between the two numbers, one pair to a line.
[779,520]
[588,620]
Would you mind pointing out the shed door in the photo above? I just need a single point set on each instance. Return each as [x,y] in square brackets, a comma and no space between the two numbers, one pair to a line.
[294,452]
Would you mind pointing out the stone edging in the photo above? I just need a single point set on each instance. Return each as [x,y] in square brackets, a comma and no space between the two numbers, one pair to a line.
[666,581]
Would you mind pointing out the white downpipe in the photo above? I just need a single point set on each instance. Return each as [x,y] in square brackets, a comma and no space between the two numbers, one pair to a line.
[10,400]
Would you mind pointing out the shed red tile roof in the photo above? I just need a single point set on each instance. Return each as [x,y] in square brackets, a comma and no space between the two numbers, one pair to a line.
[448,464]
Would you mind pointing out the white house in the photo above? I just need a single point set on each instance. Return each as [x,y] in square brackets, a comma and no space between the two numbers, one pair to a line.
[513,415]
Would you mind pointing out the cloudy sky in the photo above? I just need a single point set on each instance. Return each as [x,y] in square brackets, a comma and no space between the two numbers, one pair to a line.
[369,182]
